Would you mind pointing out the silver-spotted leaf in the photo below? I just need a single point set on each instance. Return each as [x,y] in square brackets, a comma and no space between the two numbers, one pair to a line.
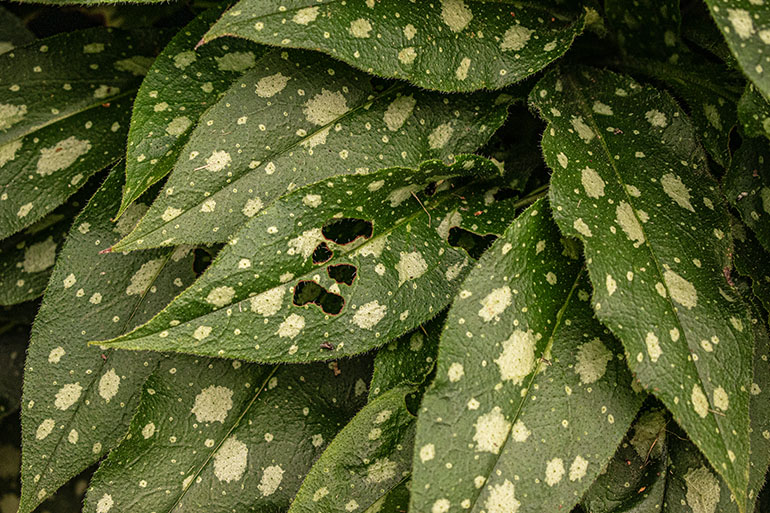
[752,261]
[531,394]
[181,84]
[13,33]
[294,119]
[448,45]
[646,27]
[745,24]
[335,268]
[631,181]
[64,115]
[79,399]
[754,113]
[366,462]
[218,435]
[747,186]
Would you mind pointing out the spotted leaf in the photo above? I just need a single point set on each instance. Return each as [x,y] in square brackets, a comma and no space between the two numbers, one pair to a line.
[449,45]
[632,183]
[181,84]
[294,119]
[527,384]
[78,400]
[64,115]
[747,187]
[335,268]
[13,33]
[745,24]
[646,27]
[752,261]
[243,433]
[754,113]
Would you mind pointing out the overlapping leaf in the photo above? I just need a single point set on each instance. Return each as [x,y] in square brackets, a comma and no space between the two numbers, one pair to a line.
[531,393]
[13,347]
[646,27]
[294,119]
[219,436]
[449,45]
[632,183]
[752,261]
[13,33]
[747,186]
[745,24]
[181,84]
[78,400]
[754,113]
[335,268]
[64,115]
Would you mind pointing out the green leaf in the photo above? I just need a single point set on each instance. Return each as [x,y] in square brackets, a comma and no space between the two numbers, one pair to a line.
[747,186]
[13,347]
[366,462]
[295,119]
[754,113]
[745,24]
[64,115]
[244,433]
[450,45]
[752,261]
[335,268]
[78,400]
[27,258]
[632,183]
[13,33]
[646,27]
[528,384]
[181,84]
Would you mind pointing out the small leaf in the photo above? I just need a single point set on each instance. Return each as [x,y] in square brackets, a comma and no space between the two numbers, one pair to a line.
[13,347]
[78,400]
[181,84]
[747,187]
[480,45]
[273,295]
[13,33]
[754,113]
[64,115]
[632,183]
[244,433]
[745,24]
[294,119]
[528,383]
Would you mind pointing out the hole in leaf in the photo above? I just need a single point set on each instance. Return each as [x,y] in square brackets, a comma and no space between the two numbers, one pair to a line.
[346,229]
[342,273]
[322,253]
[310,292]
[473,243]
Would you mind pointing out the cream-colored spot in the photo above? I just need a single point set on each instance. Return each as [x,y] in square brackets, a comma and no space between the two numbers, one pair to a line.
[218,161]
[554,471]
[502,499]
[629,223]
[369,314]
[721,399]
[491,431]
[454,218]
[170,213]
[440,136]
[271,85]
[230,460]
[44,429]
[236,61]
[592,183]
[703,490]
[305,16]
[653,346]
[676,190]
[312,200]
[681,290]
[144,277]
[325,107]
[148,430]
[517,358]
[8,151]
[462,70]
[410,266]
[184,59]
[582,227]
[268,303]
[271,480]
[456,372]
[427,452]
[407,55]
[611,284]
[61,155]
[409,31]
[67,396]
[360,28]
[602,108]
[220,296]
[519,432]
[699,401]
[10,115]
[39,256]
[104,504]
[741,22]
[584,131]
[577,470]
[456,14]
[56,354]
[495,303]
[381,470]
[306,243]
[398,112]
[515,38]
[592,359]
[212,404]
[656,118]
[252,207]
[178,126]
[291,326]
[109,385]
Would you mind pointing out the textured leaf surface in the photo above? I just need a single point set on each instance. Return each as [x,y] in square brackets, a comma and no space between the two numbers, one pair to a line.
[632,183]
[747,186]
[13,33]
[646,27]
[181,84]
[754,113]
[273,294]
[64,115]
[13,347]
[366,462]
[745,24]
[78,400]
[219,436]
[531,394]
[752,261]
[297,118]
[448,45]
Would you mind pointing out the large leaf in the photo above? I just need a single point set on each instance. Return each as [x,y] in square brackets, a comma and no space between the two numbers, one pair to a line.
[747,186]
[448,45]
[217,435]
[297,118]
[64,115]
[181,84]
[13,33]
[531,394]
[335,268]
[745,24]
[78,400]
[632,183]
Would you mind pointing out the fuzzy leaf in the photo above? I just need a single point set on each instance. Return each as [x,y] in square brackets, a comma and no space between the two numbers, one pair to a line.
[747,186]
[13,347]
[632,183]
[745,24]
[64,115]
[78,400]
[13,33]
[296,120]
[528,383]
[246,434]
[754,113]
[447,46]
[335,268]
[181,84]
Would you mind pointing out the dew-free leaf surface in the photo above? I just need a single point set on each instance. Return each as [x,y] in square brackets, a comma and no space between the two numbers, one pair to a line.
[747,186]
[754,113]
[13,33]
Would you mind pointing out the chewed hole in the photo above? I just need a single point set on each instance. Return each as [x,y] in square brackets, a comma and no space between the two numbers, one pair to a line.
[342,273]
[310,292]
[473,243]
[346,229]
[322,253]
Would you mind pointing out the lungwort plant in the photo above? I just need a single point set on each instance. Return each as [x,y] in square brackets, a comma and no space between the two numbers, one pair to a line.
[379,256]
